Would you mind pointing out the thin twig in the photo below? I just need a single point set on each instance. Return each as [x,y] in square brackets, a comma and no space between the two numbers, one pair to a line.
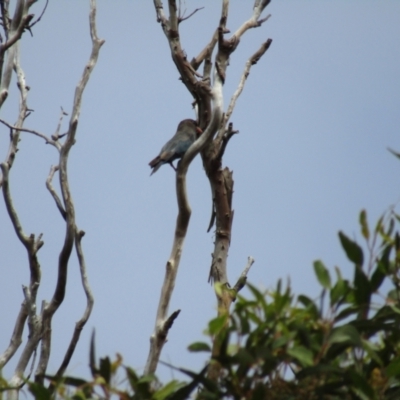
[250,62]
[182,18]
[40,16]
[36,133]
[225,139]
[56,134]
[243,277]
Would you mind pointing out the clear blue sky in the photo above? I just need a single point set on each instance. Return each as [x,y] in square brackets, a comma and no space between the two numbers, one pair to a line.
[315,119]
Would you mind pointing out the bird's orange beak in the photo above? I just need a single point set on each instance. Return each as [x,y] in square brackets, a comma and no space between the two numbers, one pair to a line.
[199,131]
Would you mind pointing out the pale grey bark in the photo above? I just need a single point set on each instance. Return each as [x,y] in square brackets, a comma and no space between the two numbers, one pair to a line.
[39,322]
[72,235]
[208,99]
[13,33]
[163,321]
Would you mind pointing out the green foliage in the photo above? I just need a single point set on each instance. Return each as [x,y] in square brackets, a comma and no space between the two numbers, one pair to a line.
[344,344]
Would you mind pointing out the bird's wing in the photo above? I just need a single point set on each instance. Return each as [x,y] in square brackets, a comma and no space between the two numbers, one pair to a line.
[167,156]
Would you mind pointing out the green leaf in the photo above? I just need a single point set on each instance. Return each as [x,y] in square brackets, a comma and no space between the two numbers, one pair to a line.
[362,287]
[393,369]
[217,324]
[39,391]
[199,346]
[322,274]
[352,249]
[169,388]
[369,347]
[394,308]
[378,226]
[360,386]
[132,378]
[244,357]
[339,291]
[73,381]
[345,313]
[260,297]
[309,304]
[303,355]
[105,369]
[381,269]
[364,224]
[345,333]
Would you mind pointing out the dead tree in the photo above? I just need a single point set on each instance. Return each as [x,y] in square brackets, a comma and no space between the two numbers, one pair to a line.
[207,92]
[38,318]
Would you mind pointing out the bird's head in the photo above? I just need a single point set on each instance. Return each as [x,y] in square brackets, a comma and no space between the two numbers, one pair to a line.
[190,124]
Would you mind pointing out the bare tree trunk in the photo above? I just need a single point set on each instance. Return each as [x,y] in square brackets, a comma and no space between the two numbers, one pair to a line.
[208,97]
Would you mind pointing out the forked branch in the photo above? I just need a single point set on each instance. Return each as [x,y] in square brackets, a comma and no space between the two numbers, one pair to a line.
[250,62]
[163,321]
[210,118]
[71,231]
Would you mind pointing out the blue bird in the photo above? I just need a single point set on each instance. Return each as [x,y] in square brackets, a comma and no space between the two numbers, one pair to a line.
[186,133]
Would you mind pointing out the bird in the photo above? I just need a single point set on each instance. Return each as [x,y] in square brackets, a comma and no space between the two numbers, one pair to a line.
[186,133]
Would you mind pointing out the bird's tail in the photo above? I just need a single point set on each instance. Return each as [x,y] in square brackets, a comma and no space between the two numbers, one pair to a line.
[155,164]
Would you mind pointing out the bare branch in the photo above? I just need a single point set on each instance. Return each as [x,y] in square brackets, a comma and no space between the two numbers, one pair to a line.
[10,207]
[29,301]
[16,337]
[35,329]
[182,18]
[243,277]
[40,16]
[225,139]
[4,5]
[173,16]
[250,62]
[56,134]
[162,326]
[221,180]
[51,189]
[36,133]
[32,245]
[23,109]
[254,21]
[71,230]
[206,52]
[88,310]
[200,90]
[19,22]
